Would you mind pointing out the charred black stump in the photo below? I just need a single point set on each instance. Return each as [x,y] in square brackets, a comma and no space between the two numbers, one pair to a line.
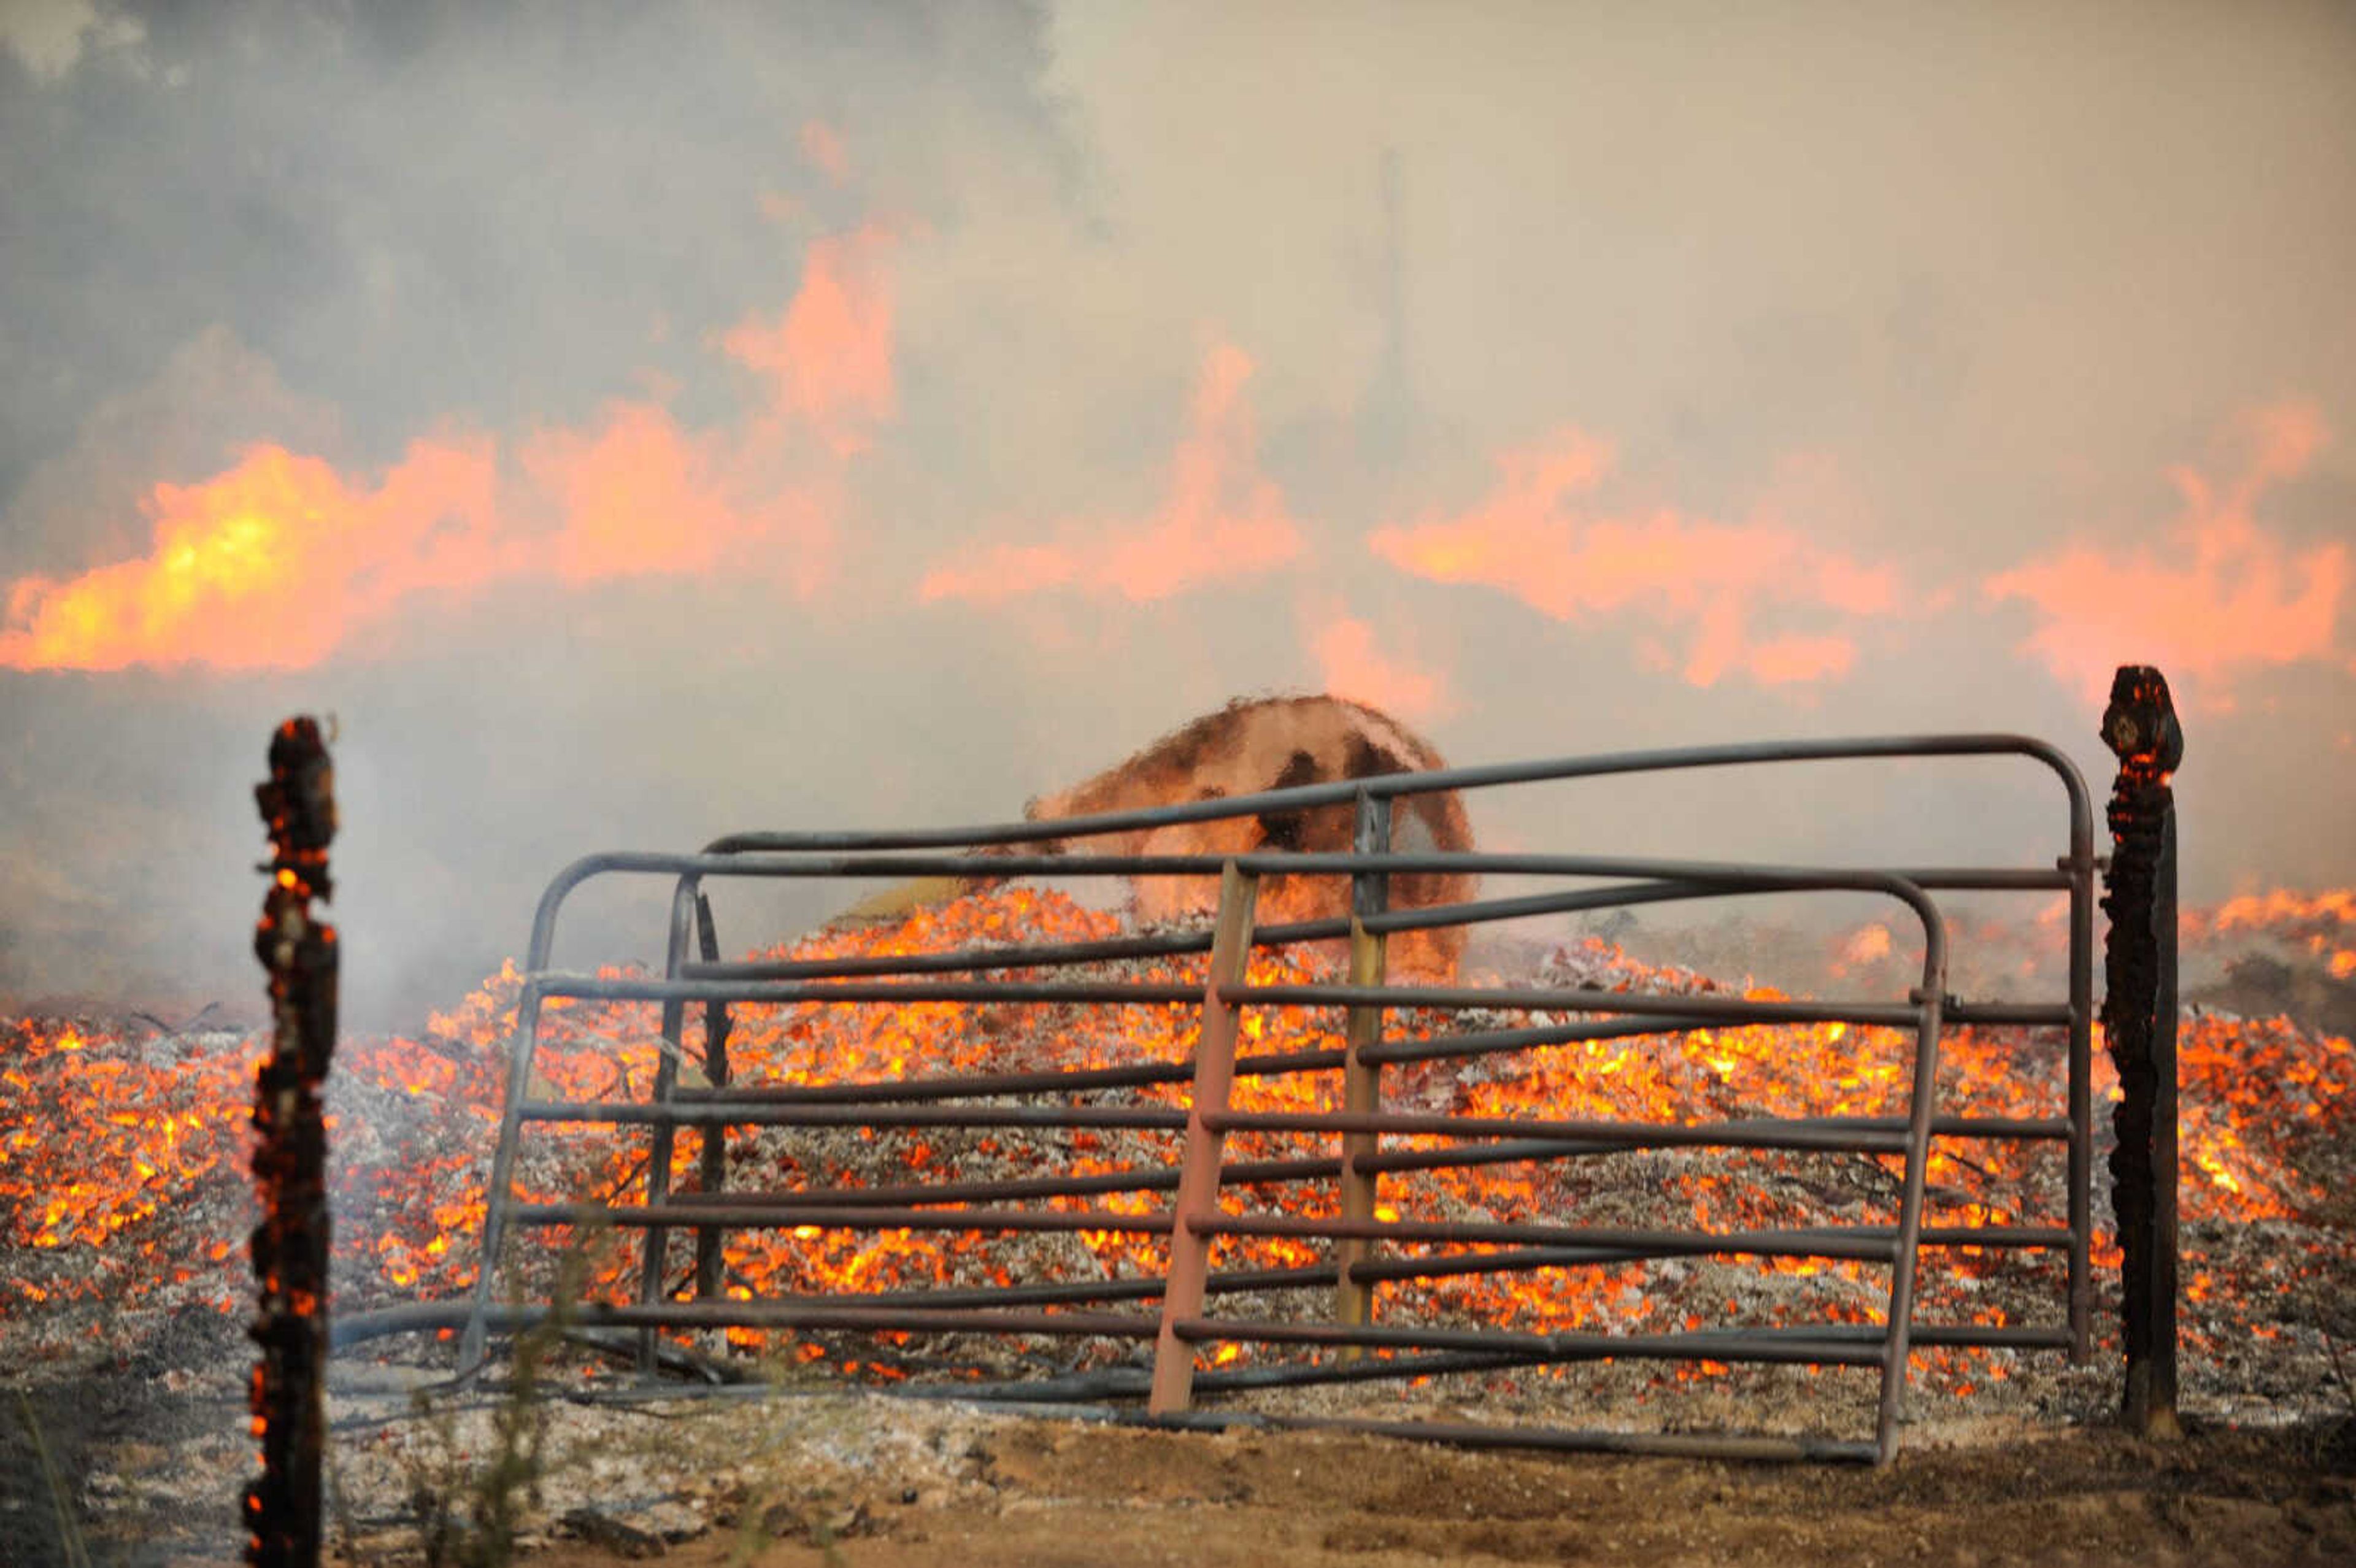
[289,1244]
[2139,1021]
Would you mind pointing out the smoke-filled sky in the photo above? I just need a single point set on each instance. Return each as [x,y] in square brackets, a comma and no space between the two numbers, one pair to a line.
[638,423]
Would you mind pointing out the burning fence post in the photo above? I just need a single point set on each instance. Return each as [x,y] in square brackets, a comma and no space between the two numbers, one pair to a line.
[289,1244]
[2139,1018]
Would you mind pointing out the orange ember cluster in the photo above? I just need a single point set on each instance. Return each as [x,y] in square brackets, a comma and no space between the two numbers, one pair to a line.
[121,1169]
[101,1142]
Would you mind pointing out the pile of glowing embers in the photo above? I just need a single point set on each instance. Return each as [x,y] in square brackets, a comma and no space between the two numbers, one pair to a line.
[124,1199]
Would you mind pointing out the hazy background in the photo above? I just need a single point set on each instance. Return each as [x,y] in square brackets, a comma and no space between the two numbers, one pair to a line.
[881,414]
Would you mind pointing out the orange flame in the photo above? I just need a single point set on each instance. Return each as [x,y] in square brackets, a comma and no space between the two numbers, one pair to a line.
[1866,945]
[277,562]
[828,357]
[1533,539]
[268,564]
[2322,923]
[1350,665]
[2227,595]
[2279,906]
[1221,519]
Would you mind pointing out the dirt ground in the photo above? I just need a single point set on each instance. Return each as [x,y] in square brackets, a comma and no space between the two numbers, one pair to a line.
[1060,1495]
[855,1481]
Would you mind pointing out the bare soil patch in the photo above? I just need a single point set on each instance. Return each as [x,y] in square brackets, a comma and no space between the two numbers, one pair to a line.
[834,1476]
[1045,1494]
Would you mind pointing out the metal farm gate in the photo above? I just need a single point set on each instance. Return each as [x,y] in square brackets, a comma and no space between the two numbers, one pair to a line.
[1171,1312]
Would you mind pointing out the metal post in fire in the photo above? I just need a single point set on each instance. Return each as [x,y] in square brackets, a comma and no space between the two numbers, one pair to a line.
[709,1259]
[1361,1079]
[290,1245]
[2139,1018]
[1197,1203]
[652,1285]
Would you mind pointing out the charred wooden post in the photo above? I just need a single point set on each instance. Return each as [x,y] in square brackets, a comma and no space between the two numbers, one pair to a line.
[1362,1081]
[290,1245]
[2139,1019]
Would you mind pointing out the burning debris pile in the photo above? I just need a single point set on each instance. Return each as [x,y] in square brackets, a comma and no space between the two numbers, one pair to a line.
[2280,952]
[125,1202]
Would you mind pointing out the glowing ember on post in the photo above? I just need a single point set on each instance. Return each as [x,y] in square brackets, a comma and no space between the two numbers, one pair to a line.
[289,1244]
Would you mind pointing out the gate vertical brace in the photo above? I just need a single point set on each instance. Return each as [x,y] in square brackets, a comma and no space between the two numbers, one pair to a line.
[674,1019]
[1362,1081]
[2139,1016]
[498,1189]
[291,1244]
[715,1167]
[1197,1200]
[1906,1254]
[2081,867]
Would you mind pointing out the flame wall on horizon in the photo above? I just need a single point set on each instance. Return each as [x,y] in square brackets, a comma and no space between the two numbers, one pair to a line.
[635,429]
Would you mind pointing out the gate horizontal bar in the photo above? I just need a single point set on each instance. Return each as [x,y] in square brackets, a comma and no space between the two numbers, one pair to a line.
[838,1218]
[1895,1015]
[356,1328]
[1440,780]
[976,1085]
[1833,1134]
[698,1315]
[1143,1287]
[1161,1179]
[1517,1260]
[2007,1015]
[680,1114]
[1752,1346]
[1418,917]
[1491,1042]
[1824,1242]
[1464,1435]
[649,988]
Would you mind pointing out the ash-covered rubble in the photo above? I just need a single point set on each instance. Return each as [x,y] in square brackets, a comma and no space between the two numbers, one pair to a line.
[2272,1372]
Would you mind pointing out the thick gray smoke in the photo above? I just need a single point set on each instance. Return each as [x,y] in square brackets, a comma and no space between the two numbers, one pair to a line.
[1563,377]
